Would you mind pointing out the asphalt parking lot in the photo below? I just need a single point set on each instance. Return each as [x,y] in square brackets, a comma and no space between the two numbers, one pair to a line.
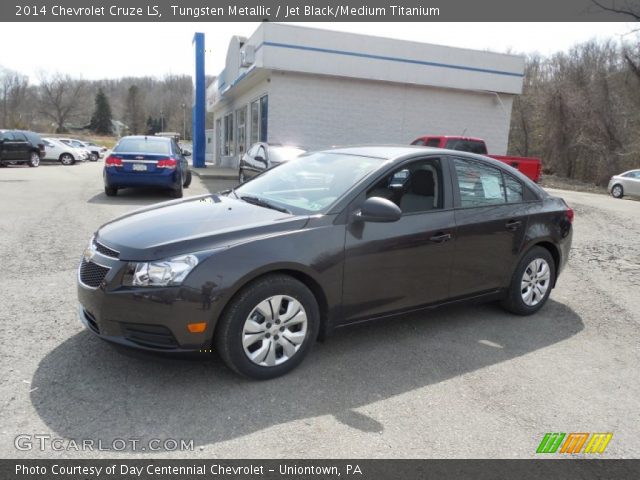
[456,382]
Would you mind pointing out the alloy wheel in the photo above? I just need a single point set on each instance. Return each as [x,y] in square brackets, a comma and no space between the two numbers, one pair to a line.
[535,282]
[274,331]
[617,191]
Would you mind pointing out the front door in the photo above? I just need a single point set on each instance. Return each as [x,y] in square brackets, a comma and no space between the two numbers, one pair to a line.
[405,264]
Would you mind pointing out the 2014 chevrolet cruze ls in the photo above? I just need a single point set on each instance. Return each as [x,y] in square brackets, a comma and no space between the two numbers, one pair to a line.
[258,273]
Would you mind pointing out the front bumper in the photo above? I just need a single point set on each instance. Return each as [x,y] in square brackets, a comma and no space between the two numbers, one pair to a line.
[142,339]
[147,318]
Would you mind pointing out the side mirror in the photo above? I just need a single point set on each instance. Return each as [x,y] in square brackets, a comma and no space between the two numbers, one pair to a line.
[186,153]
[378,209]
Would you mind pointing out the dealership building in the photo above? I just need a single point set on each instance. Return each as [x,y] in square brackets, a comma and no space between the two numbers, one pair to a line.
[317,88]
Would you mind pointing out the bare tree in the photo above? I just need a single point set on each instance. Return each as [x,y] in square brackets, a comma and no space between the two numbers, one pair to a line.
[14,89]
[60,97]
[626,7]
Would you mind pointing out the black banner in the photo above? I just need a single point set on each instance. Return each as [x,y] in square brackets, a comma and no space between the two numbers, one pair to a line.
[326,469]
[321,11]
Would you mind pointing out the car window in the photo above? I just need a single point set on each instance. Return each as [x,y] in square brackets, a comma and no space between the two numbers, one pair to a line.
[479,184]
[284,154]
[19,136]
[142,145]
[261,152]
[416,187]
[312,182]
[418,142]
[433,142]
[634,174]
[6,136]
[472,146]
[513,189]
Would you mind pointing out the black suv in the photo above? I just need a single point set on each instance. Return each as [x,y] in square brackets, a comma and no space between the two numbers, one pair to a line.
[20,146]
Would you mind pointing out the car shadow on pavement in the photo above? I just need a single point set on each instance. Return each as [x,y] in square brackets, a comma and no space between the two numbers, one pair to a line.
[88,389]
[133,196]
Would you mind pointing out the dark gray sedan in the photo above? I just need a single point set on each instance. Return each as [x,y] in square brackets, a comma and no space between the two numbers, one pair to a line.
[328,239]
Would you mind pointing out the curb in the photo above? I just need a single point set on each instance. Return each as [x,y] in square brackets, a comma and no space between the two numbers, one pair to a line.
[214,173]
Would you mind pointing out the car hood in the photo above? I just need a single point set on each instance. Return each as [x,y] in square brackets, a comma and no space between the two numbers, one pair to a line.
[196,224]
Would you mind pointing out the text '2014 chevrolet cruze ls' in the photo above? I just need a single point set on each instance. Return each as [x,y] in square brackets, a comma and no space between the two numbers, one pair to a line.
[335,237]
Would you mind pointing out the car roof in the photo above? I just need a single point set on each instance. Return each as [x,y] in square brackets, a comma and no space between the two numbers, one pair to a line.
[385,152]
[147,137]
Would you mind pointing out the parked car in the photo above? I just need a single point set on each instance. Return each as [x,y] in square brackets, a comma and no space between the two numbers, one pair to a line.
[331,238]
[139,161]
[530,166]
[627,183]
[92,154]
[20,146]
[262,156]
[63,153]
[100,148]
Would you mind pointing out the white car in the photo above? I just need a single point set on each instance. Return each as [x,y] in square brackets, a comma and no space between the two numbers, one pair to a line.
[65,154]
[627,183]
[93,157]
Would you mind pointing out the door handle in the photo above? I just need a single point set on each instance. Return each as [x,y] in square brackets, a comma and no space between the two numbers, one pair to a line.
[513,225]
[441,237]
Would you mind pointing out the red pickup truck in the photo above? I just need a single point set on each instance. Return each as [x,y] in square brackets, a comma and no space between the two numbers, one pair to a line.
[531,167]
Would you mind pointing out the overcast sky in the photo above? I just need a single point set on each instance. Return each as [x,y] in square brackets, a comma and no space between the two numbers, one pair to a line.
[111,50]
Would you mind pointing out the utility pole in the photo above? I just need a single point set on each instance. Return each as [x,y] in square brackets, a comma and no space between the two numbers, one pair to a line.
[184,122]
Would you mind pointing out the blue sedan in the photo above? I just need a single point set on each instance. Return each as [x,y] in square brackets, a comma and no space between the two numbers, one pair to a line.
[141,161]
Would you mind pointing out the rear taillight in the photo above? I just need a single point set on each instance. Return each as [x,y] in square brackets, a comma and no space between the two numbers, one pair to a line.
[570,214]
[112,161]
[167,163]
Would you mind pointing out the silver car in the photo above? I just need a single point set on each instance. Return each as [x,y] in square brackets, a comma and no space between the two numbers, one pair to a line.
[627,183]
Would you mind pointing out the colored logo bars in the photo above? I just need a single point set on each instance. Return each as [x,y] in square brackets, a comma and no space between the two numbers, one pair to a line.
[573,443]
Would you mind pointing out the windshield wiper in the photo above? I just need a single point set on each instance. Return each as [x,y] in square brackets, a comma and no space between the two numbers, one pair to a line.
[261,202]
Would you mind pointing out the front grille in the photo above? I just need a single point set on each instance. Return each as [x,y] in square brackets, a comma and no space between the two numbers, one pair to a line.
[106,251]
[91,321]
[92,274]
[155,336]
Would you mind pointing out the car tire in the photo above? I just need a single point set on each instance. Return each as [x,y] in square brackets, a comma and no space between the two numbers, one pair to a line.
[187,182]
[617,191]
[531,283]
[233,338]
[34,160]
[93,157]
[178,192]
[110,191]
[67,159]
[241,177]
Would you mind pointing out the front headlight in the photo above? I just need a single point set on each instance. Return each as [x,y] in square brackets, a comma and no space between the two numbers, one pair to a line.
[162,273]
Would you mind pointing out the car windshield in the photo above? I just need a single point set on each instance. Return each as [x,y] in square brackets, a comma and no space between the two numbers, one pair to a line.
[142,145]
[284,154]
[310,183]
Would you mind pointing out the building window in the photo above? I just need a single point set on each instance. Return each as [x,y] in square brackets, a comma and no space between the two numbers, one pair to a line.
[241,135]
[259,117]
[264,114]
[255,122]
[228,135]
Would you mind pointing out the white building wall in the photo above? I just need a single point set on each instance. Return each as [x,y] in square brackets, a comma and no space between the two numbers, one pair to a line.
[320,111]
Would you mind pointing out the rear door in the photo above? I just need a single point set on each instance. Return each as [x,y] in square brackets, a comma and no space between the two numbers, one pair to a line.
[491,219]
[21,147]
